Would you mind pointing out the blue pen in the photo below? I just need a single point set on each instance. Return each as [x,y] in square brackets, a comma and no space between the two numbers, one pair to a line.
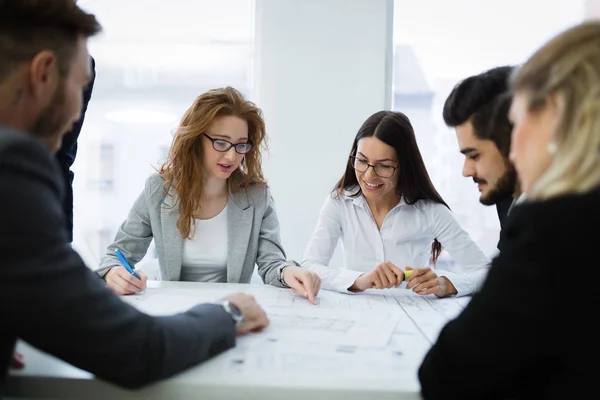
[126,264]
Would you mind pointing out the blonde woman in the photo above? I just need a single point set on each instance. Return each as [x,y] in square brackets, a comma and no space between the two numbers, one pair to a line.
[530,332]
[208,208]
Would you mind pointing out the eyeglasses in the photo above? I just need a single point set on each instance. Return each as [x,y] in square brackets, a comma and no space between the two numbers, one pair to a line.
[224,146]
[383,171]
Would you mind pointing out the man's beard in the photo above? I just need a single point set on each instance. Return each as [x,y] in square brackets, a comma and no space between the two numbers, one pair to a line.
[505,187]
[52,121]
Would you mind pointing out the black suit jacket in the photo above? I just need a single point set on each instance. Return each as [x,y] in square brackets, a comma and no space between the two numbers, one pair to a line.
[66,156]
[502,208]
[530,333]
[51,300]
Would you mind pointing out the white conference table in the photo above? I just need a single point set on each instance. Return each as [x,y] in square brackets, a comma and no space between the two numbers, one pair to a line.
[368,345]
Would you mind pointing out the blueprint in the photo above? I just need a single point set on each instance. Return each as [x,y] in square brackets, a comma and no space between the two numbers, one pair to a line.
[379,334]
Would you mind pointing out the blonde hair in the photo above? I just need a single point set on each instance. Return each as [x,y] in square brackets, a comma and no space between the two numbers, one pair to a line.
[568,67]
[183,171]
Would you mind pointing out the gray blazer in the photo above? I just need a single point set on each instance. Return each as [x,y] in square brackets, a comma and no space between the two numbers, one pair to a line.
[253,234]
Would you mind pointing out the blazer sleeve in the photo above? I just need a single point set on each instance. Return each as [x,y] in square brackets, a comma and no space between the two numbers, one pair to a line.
[321,247]
[271,255]
[471,260]
[505,329]
[134,235]
[54,302]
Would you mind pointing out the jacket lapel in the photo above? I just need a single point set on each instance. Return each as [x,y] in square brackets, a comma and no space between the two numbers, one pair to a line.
[172,239]
[240,218]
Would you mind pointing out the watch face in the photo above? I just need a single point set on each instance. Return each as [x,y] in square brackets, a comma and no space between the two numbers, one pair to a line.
[235,312]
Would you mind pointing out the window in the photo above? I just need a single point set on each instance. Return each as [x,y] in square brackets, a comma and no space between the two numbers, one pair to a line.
[107,167]
[152,60]
[100,173]
[437,44]
[104,238]
[164,152]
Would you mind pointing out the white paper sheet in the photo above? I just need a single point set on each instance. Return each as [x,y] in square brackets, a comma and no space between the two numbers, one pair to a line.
[338,319]
[370,337]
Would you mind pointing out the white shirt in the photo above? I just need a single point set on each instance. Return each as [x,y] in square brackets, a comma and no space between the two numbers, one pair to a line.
[405,239]
[205,253]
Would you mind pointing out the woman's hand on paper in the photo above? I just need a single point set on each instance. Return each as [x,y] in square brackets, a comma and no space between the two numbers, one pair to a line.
[424,281]
[386,275]
[120,281]
[303,282]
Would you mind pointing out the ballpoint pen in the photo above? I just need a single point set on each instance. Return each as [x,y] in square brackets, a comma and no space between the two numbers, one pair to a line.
[126,264]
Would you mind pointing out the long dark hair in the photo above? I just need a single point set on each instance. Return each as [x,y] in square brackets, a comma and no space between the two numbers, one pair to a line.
[413,182]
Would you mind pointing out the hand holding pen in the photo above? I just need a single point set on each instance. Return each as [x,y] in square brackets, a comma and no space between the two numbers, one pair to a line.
[123,279]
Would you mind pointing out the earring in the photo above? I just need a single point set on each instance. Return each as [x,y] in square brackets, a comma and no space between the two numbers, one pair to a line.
[552,148]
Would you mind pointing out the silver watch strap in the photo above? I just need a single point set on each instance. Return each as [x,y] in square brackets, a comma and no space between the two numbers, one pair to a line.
[227,306]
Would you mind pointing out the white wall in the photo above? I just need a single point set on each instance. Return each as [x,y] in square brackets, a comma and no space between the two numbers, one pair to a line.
[322,67]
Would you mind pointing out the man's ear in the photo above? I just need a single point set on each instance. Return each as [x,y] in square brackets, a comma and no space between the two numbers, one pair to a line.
[43,75]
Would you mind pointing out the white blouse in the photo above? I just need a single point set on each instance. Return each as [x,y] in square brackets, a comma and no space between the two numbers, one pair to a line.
[204,256]
[405,240]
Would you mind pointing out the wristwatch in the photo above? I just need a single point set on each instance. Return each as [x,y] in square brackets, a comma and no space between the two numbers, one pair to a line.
[281,280]
[232,310]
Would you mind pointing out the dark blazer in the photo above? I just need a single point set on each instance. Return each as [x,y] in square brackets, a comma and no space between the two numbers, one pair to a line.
[530,333]
[502,208]
[66,156]
[50,299]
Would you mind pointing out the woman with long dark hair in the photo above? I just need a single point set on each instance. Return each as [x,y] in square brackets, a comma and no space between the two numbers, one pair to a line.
[390,219]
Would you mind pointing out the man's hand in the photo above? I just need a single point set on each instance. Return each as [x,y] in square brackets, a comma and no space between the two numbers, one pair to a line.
[303,282]
[120,281]
[385,275]
[424,281]
[16,362]
[255,318]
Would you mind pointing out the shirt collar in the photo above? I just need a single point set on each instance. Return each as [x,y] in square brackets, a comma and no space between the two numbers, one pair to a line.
[360,200]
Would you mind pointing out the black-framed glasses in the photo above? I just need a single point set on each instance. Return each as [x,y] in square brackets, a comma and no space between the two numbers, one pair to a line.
[381,170]
[223,145]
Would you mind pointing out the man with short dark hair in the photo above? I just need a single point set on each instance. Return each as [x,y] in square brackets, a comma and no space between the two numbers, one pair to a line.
[49,297]
[478,108]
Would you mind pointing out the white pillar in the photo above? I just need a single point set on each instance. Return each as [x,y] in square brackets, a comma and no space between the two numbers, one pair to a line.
[592,9]
[322,67]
